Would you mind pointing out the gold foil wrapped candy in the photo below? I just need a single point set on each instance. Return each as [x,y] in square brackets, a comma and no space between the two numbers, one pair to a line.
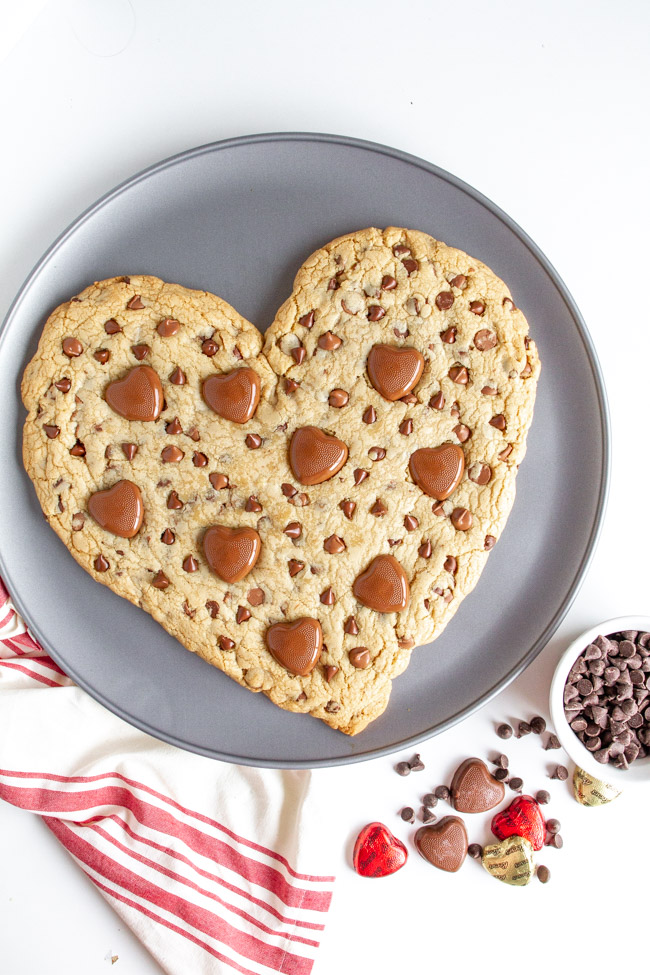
[510,861]
[590,791]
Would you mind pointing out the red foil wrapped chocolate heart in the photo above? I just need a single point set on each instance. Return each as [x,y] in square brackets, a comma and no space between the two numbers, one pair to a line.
[523,817]
[377,853]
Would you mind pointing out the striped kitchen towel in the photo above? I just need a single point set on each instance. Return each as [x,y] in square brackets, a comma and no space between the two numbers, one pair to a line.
[203,860]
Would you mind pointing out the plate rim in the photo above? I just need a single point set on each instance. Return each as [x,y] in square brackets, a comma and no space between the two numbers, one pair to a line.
[604,417]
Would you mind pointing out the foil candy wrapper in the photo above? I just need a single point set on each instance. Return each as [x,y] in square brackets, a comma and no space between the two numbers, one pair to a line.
[590,791]
[510,861]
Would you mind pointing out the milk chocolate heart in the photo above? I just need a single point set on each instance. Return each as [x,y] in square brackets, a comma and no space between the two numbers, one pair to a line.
[377,853]
[326,445]
[139,396]
[438,470]
[523,817]
[315,456]
[394,371]
[297,646]
[118,509]
[233,395]
[473,789]
[510,861]
[231,552]
[383,586]
[443,844]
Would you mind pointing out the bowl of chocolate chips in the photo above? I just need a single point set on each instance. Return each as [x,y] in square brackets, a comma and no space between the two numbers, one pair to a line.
[600,701]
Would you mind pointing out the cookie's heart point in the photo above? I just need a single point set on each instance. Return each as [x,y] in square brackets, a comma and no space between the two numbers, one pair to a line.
[139,396]
[443,844]
[231,553]
[437,470]
[473,789]
[119,509]
[296,646]
[383,586]
[394,371]
[377,853]
[234,395]
[523,817]
[315,456]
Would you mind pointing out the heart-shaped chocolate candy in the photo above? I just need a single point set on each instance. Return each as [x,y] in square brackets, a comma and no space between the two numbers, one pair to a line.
[394,371]
[523,817]
[233,395]
[316,456]
[437,470]
[510,861]
[383,586]
[139,396]
[377,853]
[231,552]
[297,646]
[119,509]
[443,844]
[473,789]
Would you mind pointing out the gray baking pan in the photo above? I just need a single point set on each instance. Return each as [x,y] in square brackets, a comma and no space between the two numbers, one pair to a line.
[238,218]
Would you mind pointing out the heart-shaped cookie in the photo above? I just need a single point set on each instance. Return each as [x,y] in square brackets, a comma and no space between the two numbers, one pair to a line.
[523,817]
[510,861]
[473,789]
[377,853]
[353,468]
[443,844]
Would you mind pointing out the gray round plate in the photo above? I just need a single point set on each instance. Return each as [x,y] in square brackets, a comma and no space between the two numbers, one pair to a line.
[238,218]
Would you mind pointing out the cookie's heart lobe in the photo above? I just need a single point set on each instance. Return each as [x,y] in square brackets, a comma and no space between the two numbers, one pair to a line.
[437,470]
[231,552]
[377,853]
[139,396]
[233,395]
[297,646]
[315,456]
[523,817]
[383,586]
[119,509]
[394,371]
[473,789]
[443,844]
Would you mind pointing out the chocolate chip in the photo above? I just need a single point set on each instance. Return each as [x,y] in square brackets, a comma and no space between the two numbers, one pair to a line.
[378,509]
[330,672]
[411,266]
[425,550]
[505,453]
[168,537]
[449,335]
[504,731]
[543,874]
[111,327]
[489,542]
[334,545]
[459,374]
[523,729]
[160,581]
[51,431]
[516,784]
[430,800]
[375,313]
[501,761]
[140,351]
[171,454]
[416,763]
[243,614]
[72,347]
[403,768]
[178,377]
[552,742]
[338,398]
[299,354]
[462,519]
[102,355]
[333,285]
[543,797]
[463,433]
[359,657]
[199,459]
[478,308]
[219,481]
[377,453]
[225,643]
[329,342]
[348,508]
[388,283]
[444,300]
[400,249]
[307,320]
[253,441]
[350,626]
[501,774]
[437,402]
[190,564]
[475,851]
[295,566]
[407,814]
[556,841]
[290,386]
[410,523]
[560,772]
[253,504]
[369,415]
[101,564]
[174,502]
[327,597]
[63,385]
[459,281]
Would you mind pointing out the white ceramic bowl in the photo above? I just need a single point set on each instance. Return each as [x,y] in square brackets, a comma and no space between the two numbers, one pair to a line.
[638,774]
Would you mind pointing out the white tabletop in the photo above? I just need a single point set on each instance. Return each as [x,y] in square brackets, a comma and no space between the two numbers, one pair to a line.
[542,105]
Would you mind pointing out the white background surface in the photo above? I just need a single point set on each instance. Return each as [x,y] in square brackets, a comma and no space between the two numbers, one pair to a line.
[543,107]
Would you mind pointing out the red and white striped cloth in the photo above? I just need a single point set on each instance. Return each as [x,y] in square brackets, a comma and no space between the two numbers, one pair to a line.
[198,857]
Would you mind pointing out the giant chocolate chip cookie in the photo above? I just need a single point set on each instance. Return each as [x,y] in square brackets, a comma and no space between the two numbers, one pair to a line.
[304,513]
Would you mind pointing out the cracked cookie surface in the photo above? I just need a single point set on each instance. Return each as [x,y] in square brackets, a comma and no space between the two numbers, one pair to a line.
[448,323]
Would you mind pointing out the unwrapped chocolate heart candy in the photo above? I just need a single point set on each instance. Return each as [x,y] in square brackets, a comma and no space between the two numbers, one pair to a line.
[377,853]
[473,789]
[523,817]
[443,844]
[510,861]
[590,791]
